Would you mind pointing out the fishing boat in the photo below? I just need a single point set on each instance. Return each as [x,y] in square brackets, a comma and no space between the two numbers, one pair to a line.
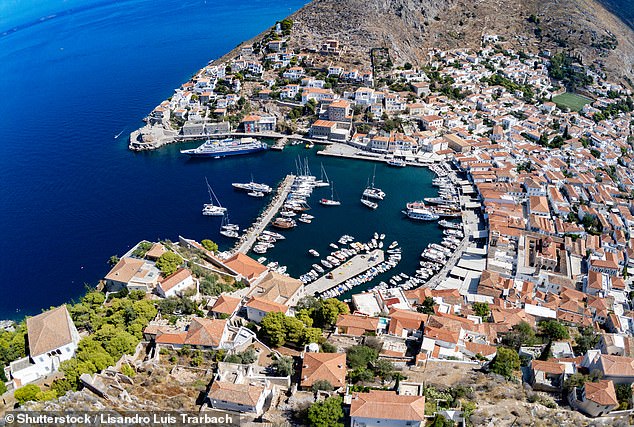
[373,192]
[313,253]
[211,209]
[283,223]
[256,194]
[332,201]
[304,220]
[227,147]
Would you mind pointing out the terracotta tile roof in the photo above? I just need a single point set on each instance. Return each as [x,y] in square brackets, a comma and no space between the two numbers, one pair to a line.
[201,332]
[483,349]
[329,367]
[244,265]
[243,394]
[601,392]
[357,324]
[205,332]
[276,288]
[265,305]
[617,366]
[50,330]
[125,270]
[442,335]
[387,405]
[405,319]
[156,251]
[548,366]
[174,279]
[175,338]
[225,304]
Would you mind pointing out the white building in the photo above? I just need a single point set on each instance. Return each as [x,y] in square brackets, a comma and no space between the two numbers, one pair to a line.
[53,338]
[176,283]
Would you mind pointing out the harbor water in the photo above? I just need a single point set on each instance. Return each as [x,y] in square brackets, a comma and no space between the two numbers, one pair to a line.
[72,195]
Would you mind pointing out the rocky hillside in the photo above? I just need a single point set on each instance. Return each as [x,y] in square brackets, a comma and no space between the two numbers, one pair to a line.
[409,27]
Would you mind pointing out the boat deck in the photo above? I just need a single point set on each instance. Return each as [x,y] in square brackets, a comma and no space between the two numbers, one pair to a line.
[351,268]
[248,238]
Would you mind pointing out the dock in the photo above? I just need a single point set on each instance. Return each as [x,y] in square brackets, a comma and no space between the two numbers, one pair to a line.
[350,152]
[349,269]
[247,240]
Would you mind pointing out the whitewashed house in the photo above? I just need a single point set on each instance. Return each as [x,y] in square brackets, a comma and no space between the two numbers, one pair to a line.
[52,338]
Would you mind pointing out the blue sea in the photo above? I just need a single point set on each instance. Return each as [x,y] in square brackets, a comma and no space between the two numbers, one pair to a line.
[74,75]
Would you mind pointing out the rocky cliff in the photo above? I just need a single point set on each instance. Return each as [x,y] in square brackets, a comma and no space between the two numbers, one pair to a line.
[410,27]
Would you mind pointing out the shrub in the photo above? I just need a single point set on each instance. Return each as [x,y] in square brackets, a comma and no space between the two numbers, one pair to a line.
[26,393]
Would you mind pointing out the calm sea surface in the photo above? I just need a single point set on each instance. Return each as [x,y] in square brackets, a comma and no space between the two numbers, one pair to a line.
[71,194]
[74,74]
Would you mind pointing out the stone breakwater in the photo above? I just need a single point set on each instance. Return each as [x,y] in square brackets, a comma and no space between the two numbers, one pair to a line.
[151,137]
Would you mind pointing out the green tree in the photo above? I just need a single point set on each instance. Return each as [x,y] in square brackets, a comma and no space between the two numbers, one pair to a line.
[326,347]
[3,388]
[553,330]
[360,375]
[321,385]
[210,245]
[384,369]
[312,335]
[61,386]
[43,396]
[328,413]
[440,421]
[586,340]
[521,334]
[304,316]
[481,309]
[294,330]
[128,370]
[624,395]
[168,263]
[26,393]
[329,311]
[274,328]
[506,361]
[427,306]
[360,356]
[283,366]
[74,368]
[113,260]
[141,249]
[120,344]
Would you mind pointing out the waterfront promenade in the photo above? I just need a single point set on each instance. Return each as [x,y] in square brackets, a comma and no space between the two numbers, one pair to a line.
[349,269]
[350,152]
[248,239]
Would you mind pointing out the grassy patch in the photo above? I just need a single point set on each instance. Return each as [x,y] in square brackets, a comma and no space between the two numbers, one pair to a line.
[571,100]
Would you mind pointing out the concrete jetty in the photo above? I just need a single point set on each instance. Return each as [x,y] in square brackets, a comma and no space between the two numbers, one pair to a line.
[350,268]
[247,240]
